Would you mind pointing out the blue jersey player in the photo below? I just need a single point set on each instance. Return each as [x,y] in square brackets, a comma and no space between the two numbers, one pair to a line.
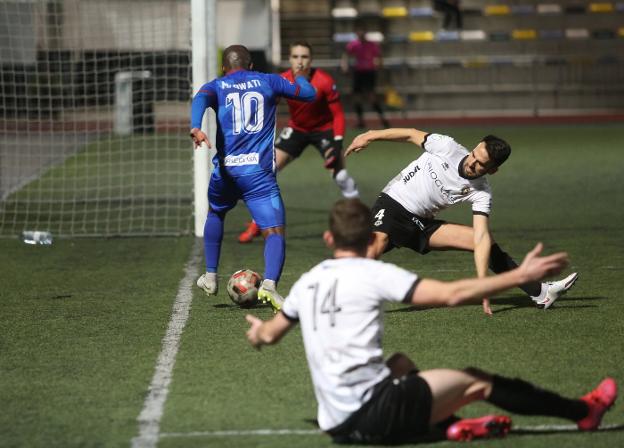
[244,165]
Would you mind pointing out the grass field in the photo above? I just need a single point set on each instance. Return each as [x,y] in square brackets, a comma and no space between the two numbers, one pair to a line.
[83,320]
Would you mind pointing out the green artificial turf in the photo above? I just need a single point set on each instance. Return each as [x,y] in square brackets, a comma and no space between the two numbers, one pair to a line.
[82,320]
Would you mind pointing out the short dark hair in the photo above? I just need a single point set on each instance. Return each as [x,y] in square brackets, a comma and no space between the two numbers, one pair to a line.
[301,43]
[236,56]
[350,223]
[497,148]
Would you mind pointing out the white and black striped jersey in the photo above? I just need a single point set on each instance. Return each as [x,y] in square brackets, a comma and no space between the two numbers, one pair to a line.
[339,306]
[432,182]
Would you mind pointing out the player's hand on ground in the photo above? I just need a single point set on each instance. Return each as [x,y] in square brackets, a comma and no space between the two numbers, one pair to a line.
[487,309]
[253,333]
[359,143]
[199,137]
[535,267]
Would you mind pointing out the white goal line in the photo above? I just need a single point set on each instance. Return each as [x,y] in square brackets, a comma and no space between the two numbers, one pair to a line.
[289,432]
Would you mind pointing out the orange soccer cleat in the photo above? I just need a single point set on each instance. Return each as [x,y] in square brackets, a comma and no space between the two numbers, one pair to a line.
[250,233]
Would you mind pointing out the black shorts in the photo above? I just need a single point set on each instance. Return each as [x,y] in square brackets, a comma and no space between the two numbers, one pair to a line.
[294,142]
[404,229]
[398,411]
[364,81]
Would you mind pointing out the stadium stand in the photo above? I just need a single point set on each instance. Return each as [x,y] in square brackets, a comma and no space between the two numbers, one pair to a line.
[516,55]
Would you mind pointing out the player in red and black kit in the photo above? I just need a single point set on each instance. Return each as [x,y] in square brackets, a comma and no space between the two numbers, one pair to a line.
[320,123]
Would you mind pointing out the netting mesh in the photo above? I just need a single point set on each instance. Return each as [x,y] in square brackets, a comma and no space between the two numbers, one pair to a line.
[94,103]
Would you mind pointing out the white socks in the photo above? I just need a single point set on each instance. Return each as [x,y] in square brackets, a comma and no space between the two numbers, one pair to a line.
[346,184]
[542,294]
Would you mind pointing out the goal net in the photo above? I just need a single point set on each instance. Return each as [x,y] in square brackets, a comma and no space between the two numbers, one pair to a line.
[94,104]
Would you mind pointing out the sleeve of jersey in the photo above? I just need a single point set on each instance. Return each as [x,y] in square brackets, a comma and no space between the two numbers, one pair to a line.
[205,98]
[482,201]
[300,90]
[290,306]
[339,118]
[395,282]
[438,144]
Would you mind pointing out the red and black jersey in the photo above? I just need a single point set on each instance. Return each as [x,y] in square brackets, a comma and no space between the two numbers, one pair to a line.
[322,114]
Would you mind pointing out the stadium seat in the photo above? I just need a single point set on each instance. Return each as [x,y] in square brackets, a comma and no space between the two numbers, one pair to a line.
[575,9]
[549,8]
[576,33]
[497,10]
[396,38]
[500,36]
[601,7]
[421,36]
[392,12]
[369,8]
[422,11]
[471,35]
[524,34]
[344,13]
[603,34]
[550,34]
[344,37]
[375,36]
[447,36]
[522,9]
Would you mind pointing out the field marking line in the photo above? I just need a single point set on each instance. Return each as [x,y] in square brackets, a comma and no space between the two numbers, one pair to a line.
[153,406]
[281,432]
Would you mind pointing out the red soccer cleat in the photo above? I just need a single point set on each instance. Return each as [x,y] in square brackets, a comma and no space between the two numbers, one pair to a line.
[250,233]
[598,401]
[479,428]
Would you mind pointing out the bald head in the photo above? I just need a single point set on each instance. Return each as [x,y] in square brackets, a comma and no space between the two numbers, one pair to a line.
[236,57]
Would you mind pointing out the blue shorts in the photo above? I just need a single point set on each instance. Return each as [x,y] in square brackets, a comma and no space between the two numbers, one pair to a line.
[259,191]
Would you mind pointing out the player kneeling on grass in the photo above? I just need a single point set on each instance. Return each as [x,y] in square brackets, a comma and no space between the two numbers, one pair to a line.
[444,175]
[320,123]
[360,398]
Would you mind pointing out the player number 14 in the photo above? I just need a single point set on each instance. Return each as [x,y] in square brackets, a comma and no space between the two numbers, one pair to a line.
[328,305]
[247,111]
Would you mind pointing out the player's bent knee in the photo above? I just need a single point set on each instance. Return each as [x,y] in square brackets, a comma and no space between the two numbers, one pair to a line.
[482,385]
[272,231]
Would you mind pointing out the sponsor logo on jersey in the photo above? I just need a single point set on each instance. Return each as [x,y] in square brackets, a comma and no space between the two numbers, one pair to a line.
[445,166]
[410,175]
[438,183]
[253,158]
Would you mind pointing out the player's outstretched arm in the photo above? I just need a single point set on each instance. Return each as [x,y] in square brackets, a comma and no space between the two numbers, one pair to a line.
[266,333]
[533,268]
[392,135]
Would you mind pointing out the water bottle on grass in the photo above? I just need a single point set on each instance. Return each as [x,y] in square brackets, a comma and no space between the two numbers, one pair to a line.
[36,237]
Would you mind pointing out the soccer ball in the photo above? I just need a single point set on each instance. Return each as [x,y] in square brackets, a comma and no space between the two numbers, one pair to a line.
[243,287]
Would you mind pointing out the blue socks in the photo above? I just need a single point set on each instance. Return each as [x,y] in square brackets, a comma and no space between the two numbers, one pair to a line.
[274,256]
[274,248]
[213,235]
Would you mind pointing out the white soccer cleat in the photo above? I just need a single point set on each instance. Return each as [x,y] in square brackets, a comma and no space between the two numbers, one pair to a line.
[208,282]
[268,293]
[556,290]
